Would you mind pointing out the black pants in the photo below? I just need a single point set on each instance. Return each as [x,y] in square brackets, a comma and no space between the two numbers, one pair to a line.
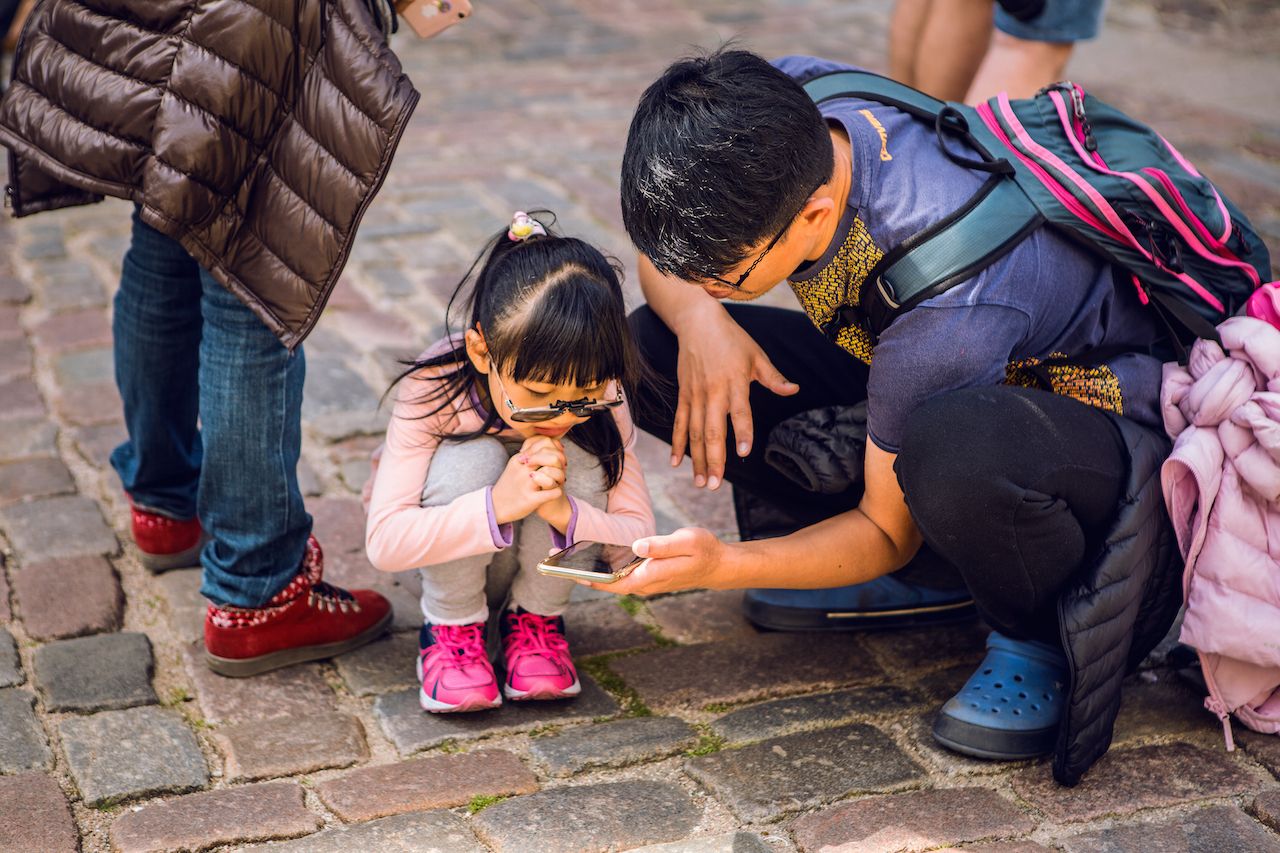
[1014,487]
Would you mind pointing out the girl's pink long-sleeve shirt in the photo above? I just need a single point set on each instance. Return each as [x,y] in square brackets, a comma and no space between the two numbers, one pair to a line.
[401,534]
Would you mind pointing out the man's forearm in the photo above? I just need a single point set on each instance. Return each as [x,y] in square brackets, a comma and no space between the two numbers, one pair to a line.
[846,549]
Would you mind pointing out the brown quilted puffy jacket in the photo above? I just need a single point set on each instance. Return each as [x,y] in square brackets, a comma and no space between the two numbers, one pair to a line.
[254,132]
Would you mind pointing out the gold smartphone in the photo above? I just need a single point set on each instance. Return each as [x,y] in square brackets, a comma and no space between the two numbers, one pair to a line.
[431,17]
[592,561]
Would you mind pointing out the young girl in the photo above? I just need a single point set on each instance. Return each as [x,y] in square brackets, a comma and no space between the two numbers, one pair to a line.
[505,442]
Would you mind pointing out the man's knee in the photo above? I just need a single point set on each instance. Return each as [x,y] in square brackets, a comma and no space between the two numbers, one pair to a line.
[949,447]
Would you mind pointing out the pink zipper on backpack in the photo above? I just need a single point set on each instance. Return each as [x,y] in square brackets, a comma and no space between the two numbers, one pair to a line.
[1042,154]
[1156,198]
[1186,164]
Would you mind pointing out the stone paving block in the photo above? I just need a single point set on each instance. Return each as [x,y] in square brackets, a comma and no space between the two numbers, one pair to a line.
[22,400]
[731,842]
[70,330]
[382,666]
[118,755]
[930,648]
[612,744]
[1266,808]
[102,672]
[26,437]
[751,668]
[916,820]
[229,816]
[295,691]
[410,728]
[783,716]
[15,359]
[286,746]
[1125,780]
[436,781]
[95,443]
[1166,707]
[85,367]
[34,815]
[1000,847]
[596,627]
[339,524]
[1204,830]
[57,527]
[1265,749]
[702,617]
[13,291]
[27,479]
[416,832]
[308,479]
[793,772]
[90,405]
[589,818]
[187,607]
[49,612]
[10,665]
[22,740]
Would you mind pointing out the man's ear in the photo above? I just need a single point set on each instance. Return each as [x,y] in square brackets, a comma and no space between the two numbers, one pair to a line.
[813,222]
[477,351]
[816,211]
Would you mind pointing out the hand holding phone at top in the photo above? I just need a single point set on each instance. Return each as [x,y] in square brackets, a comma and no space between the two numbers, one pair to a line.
[431,17]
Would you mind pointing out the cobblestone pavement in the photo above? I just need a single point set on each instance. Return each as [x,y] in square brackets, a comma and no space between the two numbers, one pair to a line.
[694,732]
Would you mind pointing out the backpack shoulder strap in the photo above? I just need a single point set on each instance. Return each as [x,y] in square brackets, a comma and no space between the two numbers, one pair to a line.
[948,253]
[993,221]
[874,87]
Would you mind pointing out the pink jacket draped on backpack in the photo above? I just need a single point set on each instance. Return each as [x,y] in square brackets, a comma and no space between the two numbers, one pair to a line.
[1222,487]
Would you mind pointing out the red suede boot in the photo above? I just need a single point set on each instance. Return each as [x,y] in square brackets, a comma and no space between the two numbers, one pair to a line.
[307,620]
[165,543]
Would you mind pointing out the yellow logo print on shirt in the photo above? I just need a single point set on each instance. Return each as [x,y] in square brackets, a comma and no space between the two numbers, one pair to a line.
[884,136]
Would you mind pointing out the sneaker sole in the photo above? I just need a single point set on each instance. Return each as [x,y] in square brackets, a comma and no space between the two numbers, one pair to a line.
[435,706]
[188,559]
[245,667]
[525,696]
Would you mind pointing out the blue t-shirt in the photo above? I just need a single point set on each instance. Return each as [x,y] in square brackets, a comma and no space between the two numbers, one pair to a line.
[1048,298]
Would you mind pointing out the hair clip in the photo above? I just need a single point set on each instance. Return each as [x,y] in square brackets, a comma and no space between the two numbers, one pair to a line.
[524,226]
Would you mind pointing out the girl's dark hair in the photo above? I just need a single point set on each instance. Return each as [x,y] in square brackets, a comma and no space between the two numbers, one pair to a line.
[551,310]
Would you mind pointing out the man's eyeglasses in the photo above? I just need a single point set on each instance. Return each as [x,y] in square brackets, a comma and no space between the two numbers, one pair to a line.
[584,408]
[737,285]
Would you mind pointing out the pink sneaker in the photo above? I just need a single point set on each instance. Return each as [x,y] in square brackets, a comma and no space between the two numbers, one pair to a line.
[454,669]
[537,656]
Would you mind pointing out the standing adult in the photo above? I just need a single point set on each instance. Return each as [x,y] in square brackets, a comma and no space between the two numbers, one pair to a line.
[251,137]
[971,50]
[1047,503]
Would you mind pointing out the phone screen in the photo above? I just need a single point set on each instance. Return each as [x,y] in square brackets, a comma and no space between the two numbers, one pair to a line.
[590,557]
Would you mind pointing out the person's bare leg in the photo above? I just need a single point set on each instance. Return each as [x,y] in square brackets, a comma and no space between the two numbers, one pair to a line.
[951,47]
[905,28]
[1019,67]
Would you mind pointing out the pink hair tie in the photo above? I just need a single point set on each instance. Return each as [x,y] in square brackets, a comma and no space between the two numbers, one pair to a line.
[524,226]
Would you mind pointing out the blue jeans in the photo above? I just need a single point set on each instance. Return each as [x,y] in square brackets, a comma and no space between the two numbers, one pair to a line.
[187,348]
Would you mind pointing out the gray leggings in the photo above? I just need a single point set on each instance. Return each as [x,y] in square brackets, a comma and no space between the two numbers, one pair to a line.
[462,591]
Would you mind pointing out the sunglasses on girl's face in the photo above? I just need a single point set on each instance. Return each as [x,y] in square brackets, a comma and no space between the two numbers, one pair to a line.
[584,408]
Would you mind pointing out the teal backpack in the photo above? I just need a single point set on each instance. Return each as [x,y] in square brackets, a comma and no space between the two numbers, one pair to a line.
[1065,159]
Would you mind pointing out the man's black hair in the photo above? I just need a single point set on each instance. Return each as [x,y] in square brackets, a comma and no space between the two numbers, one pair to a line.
[722,153]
